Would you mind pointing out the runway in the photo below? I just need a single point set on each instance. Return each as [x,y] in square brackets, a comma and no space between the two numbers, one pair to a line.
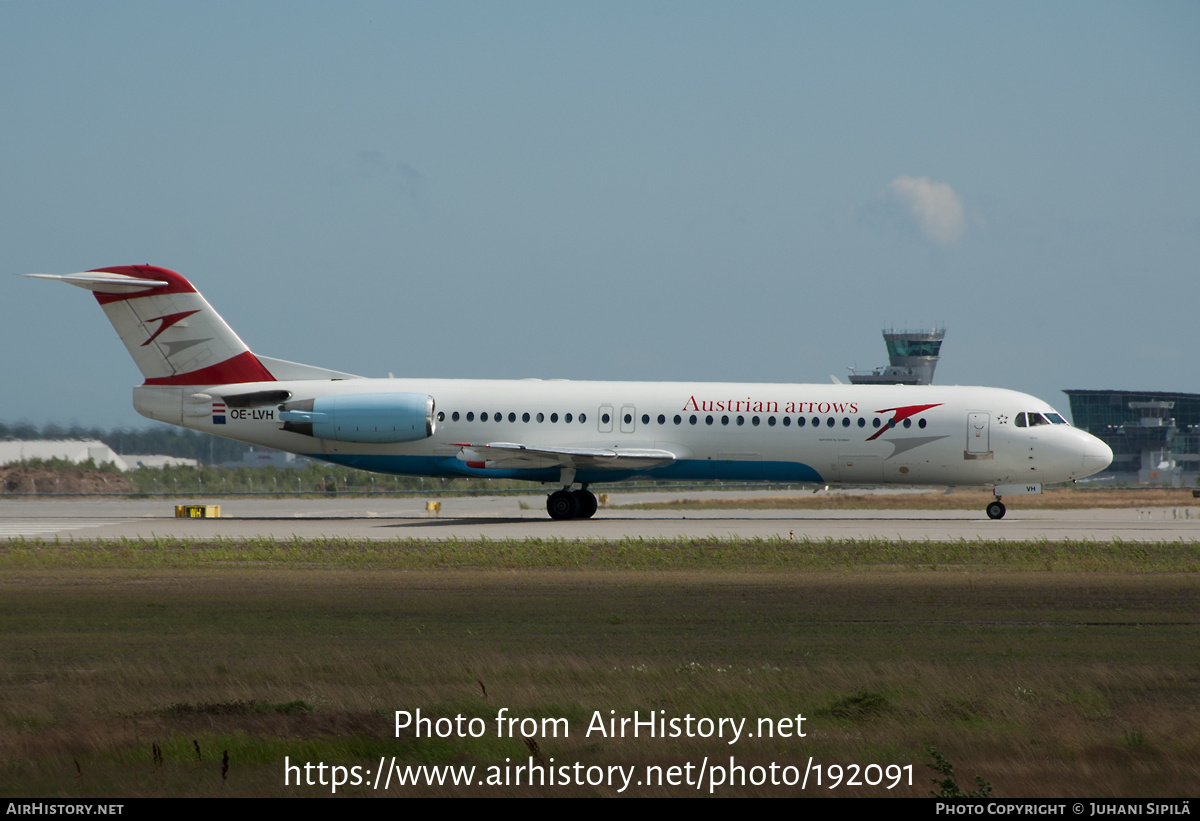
[521,517]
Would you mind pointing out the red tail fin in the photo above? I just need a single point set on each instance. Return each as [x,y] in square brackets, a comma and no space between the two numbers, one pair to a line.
[170,330]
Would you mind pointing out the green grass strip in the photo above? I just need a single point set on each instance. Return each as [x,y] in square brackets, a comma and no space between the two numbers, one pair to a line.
[626,554]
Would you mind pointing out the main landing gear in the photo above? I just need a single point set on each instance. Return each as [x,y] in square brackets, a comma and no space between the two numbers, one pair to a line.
[996,510]
[571,504]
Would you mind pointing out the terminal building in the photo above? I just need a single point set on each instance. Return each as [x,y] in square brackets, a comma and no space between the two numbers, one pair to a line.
[912,358]
[1154,435]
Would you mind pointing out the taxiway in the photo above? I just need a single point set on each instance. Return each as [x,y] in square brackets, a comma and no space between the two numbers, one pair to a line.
[520,517]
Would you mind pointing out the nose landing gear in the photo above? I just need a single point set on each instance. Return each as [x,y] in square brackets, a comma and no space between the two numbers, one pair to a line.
[996,509]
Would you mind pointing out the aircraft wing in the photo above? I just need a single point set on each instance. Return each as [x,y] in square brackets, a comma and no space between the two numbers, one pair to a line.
[506,455]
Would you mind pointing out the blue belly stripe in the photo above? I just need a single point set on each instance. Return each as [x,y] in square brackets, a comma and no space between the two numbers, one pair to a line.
[687,470]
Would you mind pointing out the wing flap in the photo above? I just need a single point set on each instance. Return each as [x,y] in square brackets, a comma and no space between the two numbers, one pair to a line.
[511,455]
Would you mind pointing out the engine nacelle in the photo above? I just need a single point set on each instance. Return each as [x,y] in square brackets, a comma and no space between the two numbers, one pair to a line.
[378,418]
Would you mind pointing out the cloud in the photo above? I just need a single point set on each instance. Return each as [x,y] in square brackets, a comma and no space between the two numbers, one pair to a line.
[932,207]
[375,167]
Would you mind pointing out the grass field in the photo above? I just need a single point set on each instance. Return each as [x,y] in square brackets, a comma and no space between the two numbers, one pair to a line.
[1048,669]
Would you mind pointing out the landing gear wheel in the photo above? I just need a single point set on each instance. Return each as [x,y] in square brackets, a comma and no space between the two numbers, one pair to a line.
[996,510]
[562,504]
[587,504]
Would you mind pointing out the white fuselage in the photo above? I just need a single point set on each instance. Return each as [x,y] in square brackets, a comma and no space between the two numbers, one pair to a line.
[860,434]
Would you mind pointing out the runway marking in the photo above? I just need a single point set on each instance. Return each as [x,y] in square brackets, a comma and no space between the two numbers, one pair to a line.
[40,527]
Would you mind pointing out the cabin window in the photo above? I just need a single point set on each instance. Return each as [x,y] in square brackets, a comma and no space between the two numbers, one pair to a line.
[441,417]
[692,419]
[541,417]
[567,418]
[662,420]
[525,416]
[891,423]
[862,423]
[470,416]
[628,418]
[800,420]
[831,421]
[816,421]
[512,417]
[454,416]
[771,421]
[645,419]
[741,420]
[787,421]
[845,421]
[754,421]
[554,417]
[908,423]
[483,417]
[678,419]
[724,420]
[605,418]
[875,422]
[708,420]
[921,423]
[582,418]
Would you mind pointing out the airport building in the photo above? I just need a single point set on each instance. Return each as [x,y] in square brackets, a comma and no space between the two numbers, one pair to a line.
[68,450]
[79,451]
[912,358]
[1154,435]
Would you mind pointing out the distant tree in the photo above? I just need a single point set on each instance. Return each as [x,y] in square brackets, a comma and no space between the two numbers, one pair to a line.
[19,430]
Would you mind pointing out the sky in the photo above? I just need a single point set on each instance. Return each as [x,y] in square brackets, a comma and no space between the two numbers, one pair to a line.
[642,190]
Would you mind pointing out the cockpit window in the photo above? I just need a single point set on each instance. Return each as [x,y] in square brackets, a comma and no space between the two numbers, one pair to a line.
[1032,420]
[1056,419]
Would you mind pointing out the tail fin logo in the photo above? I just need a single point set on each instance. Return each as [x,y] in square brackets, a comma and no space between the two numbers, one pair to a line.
[167,321]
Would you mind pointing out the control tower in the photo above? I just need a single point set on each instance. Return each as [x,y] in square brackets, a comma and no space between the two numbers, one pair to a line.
[1152,436]
[912,357]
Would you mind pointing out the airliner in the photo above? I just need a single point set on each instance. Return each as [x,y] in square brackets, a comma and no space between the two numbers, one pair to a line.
[200,375]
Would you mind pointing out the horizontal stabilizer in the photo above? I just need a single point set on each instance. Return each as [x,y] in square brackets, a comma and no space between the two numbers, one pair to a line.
[106,283]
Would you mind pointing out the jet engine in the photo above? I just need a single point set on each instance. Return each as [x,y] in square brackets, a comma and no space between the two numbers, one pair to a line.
[378,418]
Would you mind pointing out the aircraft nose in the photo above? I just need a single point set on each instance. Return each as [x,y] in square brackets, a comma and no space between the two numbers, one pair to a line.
[1096,456]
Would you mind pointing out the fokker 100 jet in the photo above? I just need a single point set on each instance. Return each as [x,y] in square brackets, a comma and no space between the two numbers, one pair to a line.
[200,375]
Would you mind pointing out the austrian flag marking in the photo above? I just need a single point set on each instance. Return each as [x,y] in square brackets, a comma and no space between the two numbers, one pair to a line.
[218,413]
